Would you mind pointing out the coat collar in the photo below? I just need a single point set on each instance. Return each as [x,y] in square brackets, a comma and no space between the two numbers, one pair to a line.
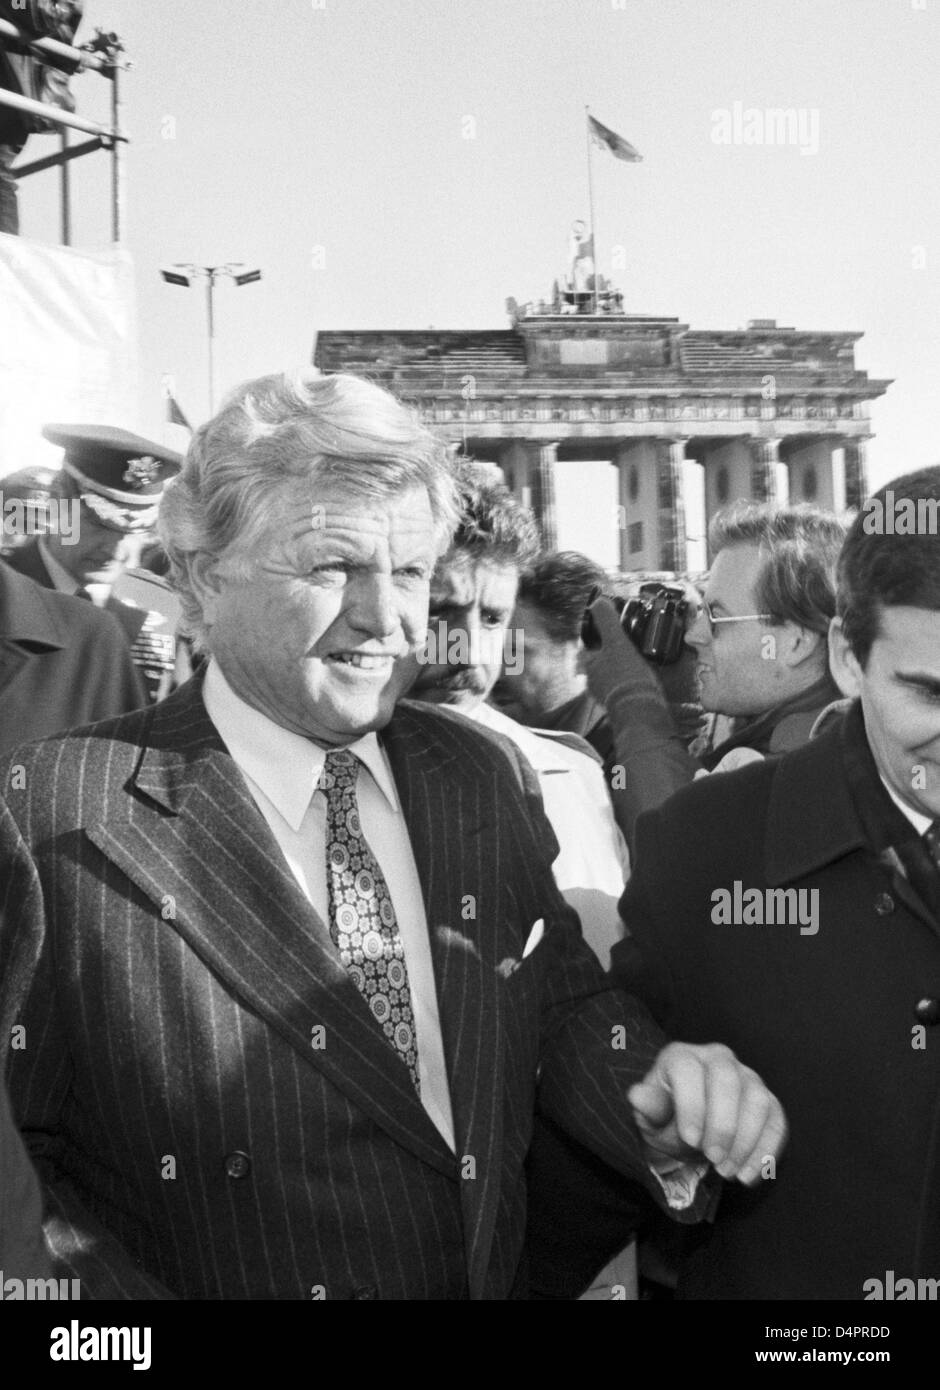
[813,818]
[782,728]
[27,614]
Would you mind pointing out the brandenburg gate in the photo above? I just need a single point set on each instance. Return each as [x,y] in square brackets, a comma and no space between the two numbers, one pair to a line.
[769,412]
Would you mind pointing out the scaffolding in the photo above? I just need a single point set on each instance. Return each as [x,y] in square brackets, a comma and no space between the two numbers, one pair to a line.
[101,55]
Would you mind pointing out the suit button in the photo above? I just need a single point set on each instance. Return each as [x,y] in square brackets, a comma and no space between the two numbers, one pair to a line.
[927,1011]
[365,1292]
[237,1165]
[884,903]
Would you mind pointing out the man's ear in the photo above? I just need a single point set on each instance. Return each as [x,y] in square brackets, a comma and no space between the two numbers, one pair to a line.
[843,663]
[206,583]
[799,644]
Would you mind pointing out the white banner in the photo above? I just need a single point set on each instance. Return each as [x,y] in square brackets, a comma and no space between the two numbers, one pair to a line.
[68,345]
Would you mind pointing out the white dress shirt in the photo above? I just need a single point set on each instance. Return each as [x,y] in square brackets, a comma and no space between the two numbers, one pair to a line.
[282,770]
[918,820]
[593,863]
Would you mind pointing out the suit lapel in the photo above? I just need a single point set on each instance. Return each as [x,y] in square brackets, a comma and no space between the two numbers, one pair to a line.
[12,661]
[217,875]
[905,890]
[447,826]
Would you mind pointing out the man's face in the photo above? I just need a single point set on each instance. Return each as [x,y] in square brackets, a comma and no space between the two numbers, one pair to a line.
[97,554]
[547,674]
[471,604]
[319,639]
[900,693]
[736,672]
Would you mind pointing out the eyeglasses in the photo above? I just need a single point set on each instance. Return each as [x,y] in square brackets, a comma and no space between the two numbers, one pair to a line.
[706,611]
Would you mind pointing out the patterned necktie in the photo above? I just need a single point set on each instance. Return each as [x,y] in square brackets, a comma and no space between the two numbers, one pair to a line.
[931,842]
[362,919]
[931,838]
[921,859]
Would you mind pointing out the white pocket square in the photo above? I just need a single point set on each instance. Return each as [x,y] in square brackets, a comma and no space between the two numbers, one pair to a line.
[535,936]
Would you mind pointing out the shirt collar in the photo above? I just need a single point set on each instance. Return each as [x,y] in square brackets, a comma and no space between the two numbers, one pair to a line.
[286,766]
[537,747]
[918,820]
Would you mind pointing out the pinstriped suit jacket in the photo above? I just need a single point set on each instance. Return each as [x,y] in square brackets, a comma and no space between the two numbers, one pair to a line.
[198,1136]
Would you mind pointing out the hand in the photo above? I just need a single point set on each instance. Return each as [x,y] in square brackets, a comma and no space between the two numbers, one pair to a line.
[700,1100]
[614,661]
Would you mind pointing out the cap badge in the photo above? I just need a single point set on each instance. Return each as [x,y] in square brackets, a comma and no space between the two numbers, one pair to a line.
[140,473]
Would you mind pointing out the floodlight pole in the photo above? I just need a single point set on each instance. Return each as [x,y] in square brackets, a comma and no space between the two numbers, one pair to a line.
[211,273]
[210,319]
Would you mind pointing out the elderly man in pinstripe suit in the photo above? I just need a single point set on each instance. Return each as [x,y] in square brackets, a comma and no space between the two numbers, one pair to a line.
[287,967]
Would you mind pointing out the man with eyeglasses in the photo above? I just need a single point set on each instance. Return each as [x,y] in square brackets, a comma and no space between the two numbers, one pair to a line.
[760,634]
[760,639]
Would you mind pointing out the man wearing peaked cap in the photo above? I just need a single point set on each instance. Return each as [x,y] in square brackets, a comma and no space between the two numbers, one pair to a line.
[105,497]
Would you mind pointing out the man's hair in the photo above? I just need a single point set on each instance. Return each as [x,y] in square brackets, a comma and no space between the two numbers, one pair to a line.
[799,548]
[558,586]
[879,568]
[277,430]
[493,524]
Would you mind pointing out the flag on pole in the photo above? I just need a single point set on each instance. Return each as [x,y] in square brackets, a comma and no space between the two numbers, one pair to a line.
[174,411]
[174,414]
[607,139]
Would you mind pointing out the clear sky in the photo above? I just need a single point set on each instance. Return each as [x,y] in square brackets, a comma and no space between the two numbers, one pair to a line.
[326,142]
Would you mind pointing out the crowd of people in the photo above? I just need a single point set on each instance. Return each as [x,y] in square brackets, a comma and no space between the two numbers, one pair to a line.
[377,922]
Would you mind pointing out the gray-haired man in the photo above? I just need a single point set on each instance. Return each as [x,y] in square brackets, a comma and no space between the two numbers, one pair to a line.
[301,1061]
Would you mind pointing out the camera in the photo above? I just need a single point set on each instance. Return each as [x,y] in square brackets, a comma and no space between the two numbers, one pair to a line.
[655,621]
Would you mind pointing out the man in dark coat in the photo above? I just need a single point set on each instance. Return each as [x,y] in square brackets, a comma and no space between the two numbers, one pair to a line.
[102,512]
[792,910]
[62,663]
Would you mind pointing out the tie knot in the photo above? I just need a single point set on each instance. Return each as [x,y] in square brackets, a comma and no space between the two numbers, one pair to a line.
[340,770]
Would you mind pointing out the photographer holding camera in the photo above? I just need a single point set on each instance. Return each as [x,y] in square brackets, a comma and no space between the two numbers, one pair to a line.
[549,690]
[759,636]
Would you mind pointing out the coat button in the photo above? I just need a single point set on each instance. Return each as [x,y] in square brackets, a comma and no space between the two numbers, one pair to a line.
[237,1165]
[927,1011]
[884,903]
[365,1292]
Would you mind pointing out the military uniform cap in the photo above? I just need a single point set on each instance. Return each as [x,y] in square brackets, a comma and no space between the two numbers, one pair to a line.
[120,475]
[27,482]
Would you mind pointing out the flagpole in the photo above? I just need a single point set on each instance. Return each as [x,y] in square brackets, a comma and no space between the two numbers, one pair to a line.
[587,126]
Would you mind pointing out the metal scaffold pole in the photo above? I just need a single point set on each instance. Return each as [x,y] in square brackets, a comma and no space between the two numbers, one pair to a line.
[118,211]
[101,55]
